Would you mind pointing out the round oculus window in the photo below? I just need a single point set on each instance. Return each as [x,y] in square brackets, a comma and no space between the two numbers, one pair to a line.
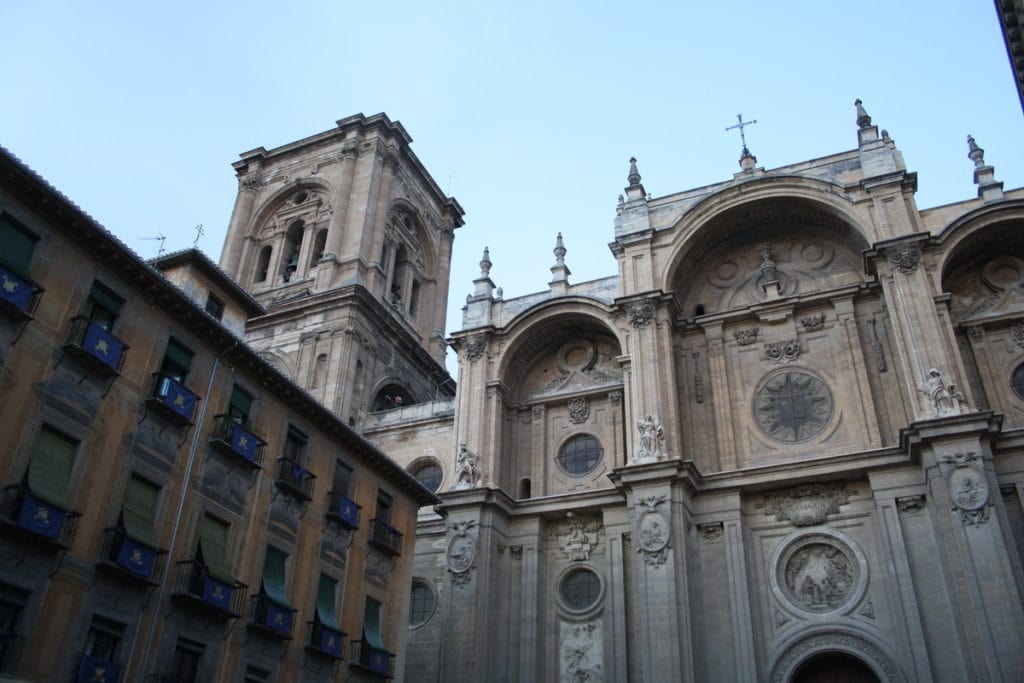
[793,406]
[1017,381]
[579,455]
[430,475]
[421,603]
[580,589]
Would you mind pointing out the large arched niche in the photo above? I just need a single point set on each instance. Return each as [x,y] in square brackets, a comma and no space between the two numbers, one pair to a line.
[813,643]
[283,199]
[405,220]
[559,350]
[726,262]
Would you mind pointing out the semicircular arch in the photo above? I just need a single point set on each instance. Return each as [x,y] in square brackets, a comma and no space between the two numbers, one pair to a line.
[823,640]
[994,223]
[273,203]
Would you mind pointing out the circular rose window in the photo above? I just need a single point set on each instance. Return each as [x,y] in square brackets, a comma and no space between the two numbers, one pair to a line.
[792,406]
[580,589]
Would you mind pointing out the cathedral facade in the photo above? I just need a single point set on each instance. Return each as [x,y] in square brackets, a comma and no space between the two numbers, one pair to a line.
[785,439]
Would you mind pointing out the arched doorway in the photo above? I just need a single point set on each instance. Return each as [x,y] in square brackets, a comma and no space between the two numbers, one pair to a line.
[834,667]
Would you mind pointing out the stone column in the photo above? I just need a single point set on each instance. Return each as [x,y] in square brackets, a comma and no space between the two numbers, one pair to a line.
[341,201]
[241,215]
[719,377]
[849,339]
[652,385]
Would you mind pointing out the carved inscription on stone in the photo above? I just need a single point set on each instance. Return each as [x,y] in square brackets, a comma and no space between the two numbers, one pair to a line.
[818,574]
[806,505]
[792,406]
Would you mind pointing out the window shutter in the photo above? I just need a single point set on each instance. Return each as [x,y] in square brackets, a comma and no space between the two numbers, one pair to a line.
[139,511]
[325,597]
[240,405]
[104,298]
[18,246]
[371,625]
[213,541]
[178,356]
[274,577]
[49,471]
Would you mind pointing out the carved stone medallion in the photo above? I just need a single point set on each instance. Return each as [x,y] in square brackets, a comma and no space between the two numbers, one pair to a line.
[653,531]
[579,410]
[474,346]
[968,488]
[461,551]
[819,573]
[792,406]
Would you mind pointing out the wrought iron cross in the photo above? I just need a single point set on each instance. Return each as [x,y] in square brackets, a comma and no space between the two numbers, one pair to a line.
[741,125]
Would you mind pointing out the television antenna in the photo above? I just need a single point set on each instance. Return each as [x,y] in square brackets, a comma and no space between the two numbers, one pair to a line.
[159,237]
[199,233]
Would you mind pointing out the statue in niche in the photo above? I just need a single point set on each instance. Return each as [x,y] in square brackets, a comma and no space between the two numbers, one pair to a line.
[945,398]
[467,468]
[652,438]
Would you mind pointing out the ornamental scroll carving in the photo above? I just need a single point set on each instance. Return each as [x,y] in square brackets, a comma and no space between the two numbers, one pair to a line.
[805,505]
[746,336]
[904,257]
[640,313]
[653,530]
[968,487]
[461,551]
[782,351]
[813,323]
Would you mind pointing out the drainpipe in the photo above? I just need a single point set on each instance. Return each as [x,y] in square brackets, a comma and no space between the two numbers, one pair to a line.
[193,451]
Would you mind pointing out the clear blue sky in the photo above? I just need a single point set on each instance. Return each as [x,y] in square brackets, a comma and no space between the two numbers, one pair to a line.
[527,111]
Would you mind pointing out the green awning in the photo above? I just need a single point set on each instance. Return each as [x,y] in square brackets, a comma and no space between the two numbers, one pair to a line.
[325,598]
[104,298]
[213,544]
[139,511]
[274,577]
[49,470]
[18,245]
[371,625]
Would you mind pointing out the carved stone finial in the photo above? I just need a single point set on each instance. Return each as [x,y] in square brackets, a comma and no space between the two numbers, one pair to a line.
[634,174]
[485,263]
[559,250]
[863,120]
[975,153]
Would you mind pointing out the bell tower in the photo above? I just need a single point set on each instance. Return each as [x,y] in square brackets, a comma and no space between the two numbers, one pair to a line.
[347,241]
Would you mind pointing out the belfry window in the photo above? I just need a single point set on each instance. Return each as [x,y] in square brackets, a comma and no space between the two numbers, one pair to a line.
[263,264]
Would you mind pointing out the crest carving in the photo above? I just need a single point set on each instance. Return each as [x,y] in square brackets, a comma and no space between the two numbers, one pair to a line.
[579,410]
[579,537]
[640,313]
[904,257]
[805,505]
[968,487]
[474,345]
[653,531]
[461,551]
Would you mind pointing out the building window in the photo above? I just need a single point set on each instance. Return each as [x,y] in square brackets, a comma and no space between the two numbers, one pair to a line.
[213,547]
[1017,381]
[429,474]
[392,396]
[214,306]
[102,306]
[272,609]
[421,603]
[580,589]
[263,264]
[19,245]
[579,455]
[385,507]
[240,405]
[295,445]
[100,655]
[319,244]
[342,478]
[12,602]
[254,674]
[139,512]
[185,664]
[49,470]
[177,361]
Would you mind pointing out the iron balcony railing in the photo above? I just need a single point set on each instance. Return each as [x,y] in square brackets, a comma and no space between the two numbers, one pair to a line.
[343,510]
[272,618]
[234,439]
[36,520]
[326,641]
[385,536]
[102,351]
[294,479]
[172,399]
[131,559]
[375,660]
[195,586]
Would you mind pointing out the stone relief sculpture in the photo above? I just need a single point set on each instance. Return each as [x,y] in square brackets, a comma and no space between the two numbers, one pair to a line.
[467,469]
[579,538]
[968,487]
[782,351]
[461,551]
[944,398]
[653,531]
[805,505]
[818,573]
[582,652]
[746,336]
[640,312]
[904,257]
[651,441]
[579,410]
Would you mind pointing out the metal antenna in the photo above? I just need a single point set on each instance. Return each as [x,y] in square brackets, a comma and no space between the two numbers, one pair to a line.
[159,237]
[199,233]
[741,125]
